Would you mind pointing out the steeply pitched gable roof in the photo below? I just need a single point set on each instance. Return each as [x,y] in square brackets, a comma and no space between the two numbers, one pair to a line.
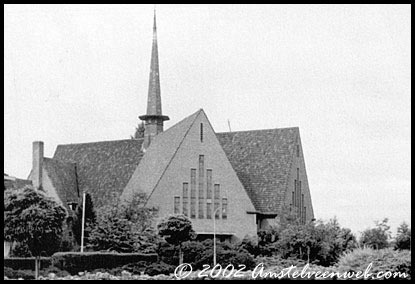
[103,168]
[157,157]
[63,177]
[262,160]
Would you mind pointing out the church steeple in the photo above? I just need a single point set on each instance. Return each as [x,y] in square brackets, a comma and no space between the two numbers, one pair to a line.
[154,118]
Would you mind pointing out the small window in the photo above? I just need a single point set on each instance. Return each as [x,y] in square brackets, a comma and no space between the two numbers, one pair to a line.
[298,151]
[298,173]
[224,208]
[201,132]
[177,205]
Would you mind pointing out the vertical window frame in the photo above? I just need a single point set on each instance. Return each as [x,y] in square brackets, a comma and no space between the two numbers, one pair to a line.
[177,203]
[185,193]
[224,208]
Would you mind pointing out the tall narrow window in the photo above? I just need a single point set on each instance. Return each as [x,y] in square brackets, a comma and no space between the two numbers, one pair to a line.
[299,196]
[295,193]
[193,193]
[201,186]
[305,214]
[201,132]
[186,199]
[302,205]
[224,208]
[298,173]
[298,151]
[208,185]
[209,209]
[177,205]
[293,199]
[209,194]
[217,200]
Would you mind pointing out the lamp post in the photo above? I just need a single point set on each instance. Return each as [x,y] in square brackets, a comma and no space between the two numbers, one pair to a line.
[214,236]
[83,222]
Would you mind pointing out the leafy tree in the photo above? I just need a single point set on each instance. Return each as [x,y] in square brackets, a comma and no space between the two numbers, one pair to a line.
[33,218]
[403,237]
[378,237]
[318,242]
[139,131]
[176,229]
[90,219]
[126,227]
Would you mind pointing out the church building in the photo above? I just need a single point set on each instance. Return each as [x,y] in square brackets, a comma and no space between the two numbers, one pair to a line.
[243,181]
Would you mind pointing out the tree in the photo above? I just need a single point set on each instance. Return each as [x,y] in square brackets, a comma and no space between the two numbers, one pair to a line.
[33,218]
[403,237]
[139,131]
[90,219]
[176,229]
[125,227]
[378,237]
[321,242]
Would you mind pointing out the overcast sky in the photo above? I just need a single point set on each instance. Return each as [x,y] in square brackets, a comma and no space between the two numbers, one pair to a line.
[79,73]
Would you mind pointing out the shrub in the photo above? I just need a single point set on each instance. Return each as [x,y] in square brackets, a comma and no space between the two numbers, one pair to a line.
[55,270]
[226,253]
[16,274]
[382,260]
[21,249]
[278,261]
[159,268]
[75,262]
[135,268]
[26,263]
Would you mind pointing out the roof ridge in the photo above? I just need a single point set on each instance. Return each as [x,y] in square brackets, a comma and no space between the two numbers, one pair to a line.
[258,130]
[98,142]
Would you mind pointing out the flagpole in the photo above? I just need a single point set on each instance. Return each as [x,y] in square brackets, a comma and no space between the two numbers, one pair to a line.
[83,222]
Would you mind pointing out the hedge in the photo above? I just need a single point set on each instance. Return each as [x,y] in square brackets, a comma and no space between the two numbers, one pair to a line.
[26,263]
[75,262]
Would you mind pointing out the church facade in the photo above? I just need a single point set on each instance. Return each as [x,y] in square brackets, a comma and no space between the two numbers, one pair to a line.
[243,181]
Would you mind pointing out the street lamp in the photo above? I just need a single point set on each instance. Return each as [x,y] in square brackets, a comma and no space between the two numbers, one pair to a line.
[214,236]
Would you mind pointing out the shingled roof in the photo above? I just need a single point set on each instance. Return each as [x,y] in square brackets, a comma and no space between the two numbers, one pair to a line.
[63,178]
[103,168]
[15,183]
[262,160]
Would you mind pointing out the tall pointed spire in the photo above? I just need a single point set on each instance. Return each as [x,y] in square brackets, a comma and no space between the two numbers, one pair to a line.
[154,118]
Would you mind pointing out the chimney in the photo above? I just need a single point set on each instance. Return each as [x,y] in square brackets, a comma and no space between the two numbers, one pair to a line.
[37,166]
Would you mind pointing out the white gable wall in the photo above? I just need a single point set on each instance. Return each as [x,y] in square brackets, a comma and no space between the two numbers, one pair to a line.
[178,171]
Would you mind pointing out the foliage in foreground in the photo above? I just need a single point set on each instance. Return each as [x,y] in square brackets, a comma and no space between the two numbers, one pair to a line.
[382,260]
[176,229]
[127,227]
[32,218]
